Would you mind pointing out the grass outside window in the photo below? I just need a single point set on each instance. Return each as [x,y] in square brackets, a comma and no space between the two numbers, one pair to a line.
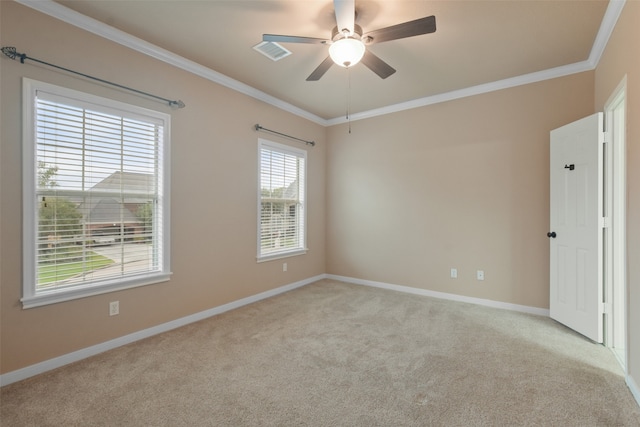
[52,272]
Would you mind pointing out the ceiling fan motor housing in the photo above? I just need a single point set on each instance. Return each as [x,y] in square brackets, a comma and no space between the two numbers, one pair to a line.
[338,34]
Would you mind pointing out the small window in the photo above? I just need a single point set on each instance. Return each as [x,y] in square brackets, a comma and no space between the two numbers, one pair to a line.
[281,216]
[96,195]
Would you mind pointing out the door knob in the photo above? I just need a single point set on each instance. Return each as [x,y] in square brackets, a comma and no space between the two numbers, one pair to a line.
[551,234]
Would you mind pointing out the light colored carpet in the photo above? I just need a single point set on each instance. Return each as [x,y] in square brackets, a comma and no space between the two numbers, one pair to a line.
[336,354]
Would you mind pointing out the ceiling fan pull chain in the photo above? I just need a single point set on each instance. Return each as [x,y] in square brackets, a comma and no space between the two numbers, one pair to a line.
[349,97]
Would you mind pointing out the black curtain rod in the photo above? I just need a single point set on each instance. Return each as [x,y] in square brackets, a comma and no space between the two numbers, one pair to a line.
[258,128]
[13,54]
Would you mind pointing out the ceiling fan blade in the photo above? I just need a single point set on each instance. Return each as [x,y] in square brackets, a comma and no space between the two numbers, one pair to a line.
[418,27]
[320,70]
[377,65]
[345,14]
[292,39]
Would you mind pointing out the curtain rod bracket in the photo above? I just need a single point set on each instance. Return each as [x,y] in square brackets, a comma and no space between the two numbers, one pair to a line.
[12,53]
[259,128]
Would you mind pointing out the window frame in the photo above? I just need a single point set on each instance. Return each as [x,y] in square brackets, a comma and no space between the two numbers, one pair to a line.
[302,228]
[31,297]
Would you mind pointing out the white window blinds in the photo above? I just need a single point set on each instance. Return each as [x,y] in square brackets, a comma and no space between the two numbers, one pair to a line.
[97,193]
[282,206]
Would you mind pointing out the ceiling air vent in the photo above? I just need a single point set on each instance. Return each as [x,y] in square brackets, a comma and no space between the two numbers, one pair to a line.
[272,50]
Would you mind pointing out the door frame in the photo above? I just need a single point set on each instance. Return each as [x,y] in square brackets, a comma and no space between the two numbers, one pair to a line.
[615,259]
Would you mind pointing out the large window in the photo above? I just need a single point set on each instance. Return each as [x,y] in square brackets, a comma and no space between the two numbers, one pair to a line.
[96,199]
[281,216]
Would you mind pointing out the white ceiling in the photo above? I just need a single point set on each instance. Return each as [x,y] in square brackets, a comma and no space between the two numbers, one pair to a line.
[477,42]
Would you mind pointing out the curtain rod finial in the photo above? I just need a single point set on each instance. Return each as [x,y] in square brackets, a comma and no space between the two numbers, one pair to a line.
[10,51]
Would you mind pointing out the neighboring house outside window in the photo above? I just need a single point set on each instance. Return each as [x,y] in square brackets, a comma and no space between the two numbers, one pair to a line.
[96,195]
[107,219]
[282,201]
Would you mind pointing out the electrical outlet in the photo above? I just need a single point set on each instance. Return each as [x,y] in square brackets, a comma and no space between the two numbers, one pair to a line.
[480,274]
[454,273]
[284,266]
[114,308]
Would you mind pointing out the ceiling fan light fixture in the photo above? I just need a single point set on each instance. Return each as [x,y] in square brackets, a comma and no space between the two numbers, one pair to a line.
[347,52]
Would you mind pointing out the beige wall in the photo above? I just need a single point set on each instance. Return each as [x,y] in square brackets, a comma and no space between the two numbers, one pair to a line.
[462,184]
[214,198]
[621,58]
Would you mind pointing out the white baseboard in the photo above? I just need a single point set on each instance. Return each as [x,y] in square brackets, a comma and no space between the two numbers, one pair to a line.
[443,295]
[633,386]
[47,365]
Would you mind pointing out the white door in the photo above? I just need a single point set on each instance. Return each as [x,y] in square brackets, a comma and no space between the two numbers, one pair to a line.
[575,236]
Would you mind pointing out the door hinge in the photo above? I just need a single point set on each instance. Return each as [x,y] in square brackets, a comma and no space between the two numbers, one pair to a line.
[604,222]
[605,308]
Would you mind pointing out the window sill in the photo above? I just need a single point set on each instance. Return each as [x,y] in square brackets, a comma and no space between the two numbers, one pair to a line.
[61,295]
[281,255]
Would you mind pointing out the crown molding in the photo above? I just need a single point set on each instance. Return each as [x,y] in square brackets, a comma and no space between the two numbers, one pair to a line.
[101,29]
[56,10]
[611,15]
[525,79]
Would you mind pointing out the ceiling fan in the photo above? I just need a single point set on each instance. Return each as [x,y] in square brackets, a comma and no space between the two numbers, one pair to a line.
[348,44]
